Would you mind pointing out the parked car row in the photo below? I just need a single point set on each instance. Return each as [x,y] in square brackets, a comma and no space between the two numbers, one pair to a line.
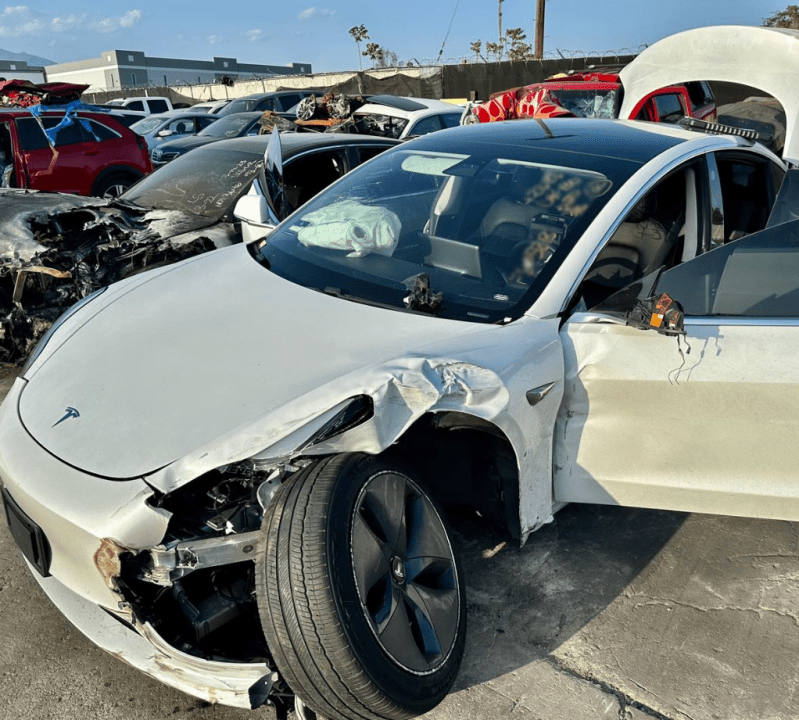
[510,316]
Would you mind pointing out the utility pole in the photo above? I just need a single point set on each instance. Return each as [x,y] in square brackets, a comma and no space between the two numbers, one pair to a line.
[499,18]
[539,29]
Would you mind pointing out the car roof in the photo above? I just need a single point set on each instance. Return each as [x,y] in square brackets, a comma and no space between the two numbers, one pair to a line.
[176,115]
[295,143]
[614,139]
[414,107]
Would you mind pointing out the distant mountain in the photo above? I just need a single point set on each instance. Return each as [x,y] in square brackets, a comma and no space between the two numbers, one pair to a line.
[26,57]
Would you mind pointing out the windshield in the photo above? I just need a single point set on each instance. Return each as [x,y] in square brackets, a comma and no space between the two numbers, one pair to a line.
[239,106]
[206,181]
[586,103]
[469,235]
[228,127]
[145,126]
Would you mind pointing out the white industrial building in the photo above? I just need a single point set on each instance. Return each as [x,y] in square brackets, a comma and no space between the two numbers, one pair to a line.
[119,69]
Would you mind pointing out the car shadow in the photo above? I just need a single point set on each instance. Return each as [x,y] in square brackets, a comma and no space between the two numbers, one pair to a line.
[523,602]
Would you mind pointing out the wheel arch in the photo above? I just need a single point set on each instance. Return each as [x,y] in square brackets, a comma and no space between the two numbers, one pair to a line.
[123,170]
[465,461]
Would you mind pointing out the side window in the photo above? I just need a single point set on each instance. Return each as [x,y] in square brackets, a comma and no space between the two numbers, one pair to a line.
[424,126]
[449,120]
[367,153]
[289,101]
[266,104]
[182,127]
[30,134]
[308,175]
[748,189]
[204,122]
[101,131]
[158,106]
[750,277]
[669,107]
[135,105]
[32,137]
[700,94]
[661,230]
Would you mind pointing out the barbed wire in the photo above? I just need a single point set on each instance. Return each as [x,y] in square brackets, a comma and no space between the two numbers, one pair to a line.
[182,86]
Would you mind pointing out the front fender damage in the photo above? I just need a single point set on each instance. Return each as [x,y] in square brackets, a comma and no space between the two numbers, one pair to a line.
[402,391]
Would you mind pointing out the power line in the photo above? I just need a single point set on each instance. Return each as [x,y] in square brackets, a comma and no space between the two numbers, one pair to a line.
[452,19]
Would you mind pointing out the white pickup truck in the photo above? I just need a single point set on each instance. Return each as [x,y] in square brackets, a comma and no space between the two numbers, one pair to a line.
[148,105]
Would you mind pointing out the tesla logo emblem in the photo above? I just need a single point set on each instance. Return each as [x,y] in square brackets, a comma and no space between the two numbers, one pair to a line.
[71,412]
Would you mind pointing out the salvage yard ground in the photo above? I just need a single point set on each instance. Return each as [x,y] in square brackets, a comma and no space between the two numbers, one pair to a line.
[607,613]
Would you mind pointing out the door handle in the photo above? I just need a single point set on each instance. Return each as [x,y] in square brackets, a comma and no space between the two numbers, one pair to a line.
[536,395]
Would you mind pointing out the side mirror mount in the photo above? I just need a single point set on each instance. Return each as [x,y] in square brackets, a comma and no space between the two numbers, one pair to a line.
[658,312]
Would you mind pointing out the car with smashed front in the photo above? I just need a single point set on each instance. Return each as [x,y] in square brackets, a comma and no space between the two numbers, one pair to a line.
[230,472]
[57,248]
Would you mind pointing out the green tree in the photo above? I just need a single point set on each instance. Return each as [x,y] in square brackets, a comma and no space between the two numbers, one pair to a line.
[788,18]
[518,50]
[375,53]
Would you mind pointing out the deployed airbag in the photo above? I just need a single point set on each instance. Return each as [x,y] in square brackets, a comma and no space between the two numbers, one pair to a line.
[350,225]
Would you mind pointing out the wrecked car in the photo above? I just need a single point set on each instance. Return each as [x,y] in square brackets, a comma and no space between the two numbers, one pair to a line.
[57,249]
[594,93]
[389,116]
[50,141]
[512,316]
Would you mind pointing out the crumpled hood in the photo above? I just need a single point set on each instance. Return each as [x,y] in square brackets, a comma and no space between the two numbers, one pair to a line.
[198,350]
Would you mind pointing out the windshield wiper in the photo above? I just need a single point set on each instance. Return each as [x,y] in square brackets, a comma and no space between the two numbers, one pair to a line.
[338,293]
[420,295]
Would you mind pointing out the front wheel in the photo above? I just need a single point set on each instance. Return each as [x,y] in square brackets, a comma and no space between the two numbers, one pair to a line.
[359,590]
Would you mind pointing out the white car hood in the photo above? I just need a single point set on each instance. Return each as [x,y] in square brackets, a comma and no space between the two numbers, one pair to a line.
[761,57]
[204,347]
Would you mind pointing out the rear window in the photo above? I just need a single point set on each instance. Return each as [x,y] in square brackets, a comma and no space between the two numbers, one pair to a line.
[158,106]
[670,109]
[700,94]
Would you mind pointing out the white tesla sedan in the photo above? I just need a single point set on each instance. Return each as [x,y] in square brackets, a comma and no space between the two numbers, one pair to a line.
[229,472]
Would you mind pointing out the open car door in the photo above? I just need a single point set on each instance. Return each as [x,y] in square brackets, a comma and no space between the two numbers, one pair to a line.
[645,422]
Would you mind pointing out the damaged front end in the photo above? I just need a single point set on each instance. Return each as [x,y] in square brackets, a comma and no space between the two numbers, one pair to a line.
[53,260]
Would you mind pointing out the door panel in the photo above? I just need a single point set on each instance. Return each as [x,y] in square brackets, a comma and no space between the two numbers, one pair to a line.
[714,434]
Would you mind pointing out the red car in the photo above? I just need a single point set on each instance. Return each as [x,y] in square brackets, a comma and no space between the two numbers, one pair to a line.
[91,155]
[594,94]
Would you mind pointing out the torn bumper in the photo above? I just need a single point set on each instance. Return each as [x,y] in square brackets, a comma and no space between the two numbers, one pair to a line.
[84,540]
[243,685]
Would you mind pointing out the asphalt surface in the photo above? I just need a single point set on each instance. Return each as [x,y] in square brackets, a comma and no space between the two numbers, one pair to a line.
[605,613]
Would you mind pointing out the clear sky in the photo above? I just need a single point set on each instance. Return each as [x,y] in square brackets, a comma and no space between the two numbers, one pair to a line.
[280,32]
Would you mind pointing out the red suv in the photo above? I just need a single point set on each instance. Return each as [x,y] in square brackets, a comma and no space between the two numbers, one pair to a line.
[594,94]
[91,155]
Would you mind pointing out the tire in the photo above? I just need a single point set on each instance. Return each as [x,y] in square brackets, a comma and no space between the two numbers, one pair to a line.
[347,626]
[112,186]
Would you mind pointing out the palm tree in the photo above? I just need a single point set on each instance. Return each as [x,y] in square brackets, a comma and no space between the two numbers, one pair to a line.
[359,32]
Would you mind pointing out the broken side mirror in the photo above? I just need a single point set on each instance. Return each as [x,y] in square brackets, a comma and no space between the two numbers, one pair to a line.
[658,312]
